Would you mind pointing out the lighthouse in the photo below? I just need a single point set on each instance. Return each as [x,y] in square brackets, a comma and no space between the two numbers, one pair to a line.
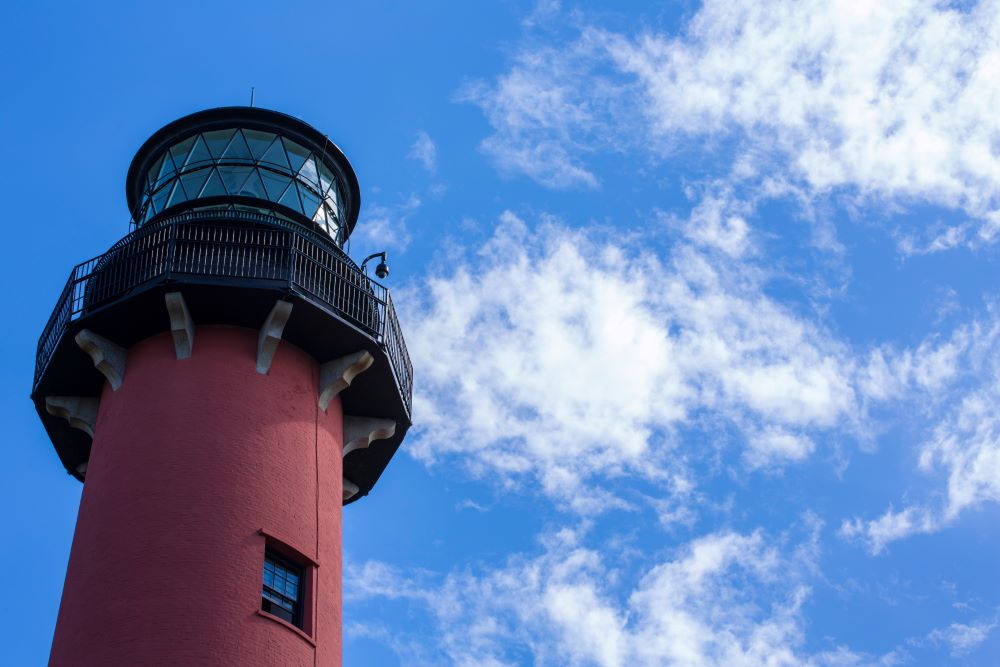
[223,380]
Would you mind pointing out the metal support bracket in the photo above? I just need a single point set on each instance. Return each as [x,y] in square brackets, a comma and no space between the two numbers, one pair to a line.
[336,376]
[359,432]
[270,335]
[109,358]
[79,411]
[181,324]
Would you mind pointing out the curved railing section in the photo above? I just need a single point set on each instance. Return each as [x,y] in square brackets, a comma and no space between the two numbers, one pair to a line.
[264,249]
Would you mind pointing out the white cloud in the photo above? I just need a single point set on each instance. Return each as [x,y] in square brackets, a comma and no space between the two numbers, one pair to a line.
[723,599]
[424,151]
[886,101]
[891,526]
[559,358]
[960,377]
[543,116]
[962,639]
[967,446]
[774,446]
[386,227]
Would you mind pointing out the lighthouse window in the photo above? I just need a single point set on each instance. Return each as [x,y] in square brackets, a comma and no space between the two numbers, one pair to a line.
[282,591]
[241,162]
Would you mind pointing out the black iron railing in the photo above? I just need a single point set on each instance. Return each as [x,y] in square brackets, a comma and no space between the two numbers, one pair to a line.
[201,244]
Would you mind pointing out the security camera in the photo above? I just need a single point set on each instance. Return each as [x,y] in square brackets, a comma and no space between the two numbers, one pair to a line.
[382,270]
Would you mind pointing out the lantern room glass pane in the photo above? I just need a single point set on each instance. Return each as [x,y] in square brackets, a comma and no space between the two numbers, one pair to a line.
[308,172]
[297,155]
[275,184]
[180,152]
[310,201]
[154,171]
[166,168]
[290,198]
[194,181]
[217,141]
[325,178]
[275,156]
[253,186]
[214,187]
[178,196]
[160,198]
[233,177]
[237,149]
[259,142]
[199,153]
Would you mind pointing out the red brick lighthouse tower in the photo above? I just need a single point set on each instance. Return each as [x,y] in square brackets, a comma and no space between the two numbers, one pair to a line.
[222,380]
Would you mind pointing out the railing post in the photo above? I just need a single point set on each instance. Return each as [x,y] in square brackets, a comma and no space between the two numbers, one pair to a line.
[291,259]
[171,235]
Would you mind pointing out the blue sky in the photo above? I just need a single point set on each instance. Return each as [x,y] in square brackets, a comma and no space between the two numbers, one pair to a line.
[701,301]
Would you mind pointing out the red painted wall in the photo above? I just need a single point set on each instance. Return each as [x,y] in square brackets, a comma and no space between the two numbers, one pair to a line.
[190,460]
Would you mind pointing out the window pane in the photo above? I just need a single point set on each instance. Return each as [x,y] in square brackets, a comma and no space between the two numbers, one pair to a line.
[320,217]
[194,181]
[275,155]
[281,589]
[310,201]
[297,155]
[325,178]
[178,196]
[291,198]
[180,152]
[160,197]
[308,173]
[214,187]
[217,141]
[166,168]
[275,184]
[233,178]
[199,153]
[253,186]
[258,142]
[154,171]
[237,149]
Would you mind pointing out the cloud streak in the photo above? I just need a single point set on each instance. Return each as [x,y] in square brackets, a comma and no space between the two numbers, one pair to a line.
[883,102]
[725,598]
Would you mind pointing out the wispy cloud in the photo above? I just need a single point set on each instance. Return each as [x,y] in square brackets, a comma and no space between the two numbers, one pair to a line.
[886,102]
[725,598]
[424,151]
[963,446]
[386,226]
[962,639]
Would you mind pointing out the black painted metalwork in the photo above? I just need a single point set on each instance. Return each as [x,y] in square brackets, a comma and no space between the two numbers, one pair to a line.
[240,248]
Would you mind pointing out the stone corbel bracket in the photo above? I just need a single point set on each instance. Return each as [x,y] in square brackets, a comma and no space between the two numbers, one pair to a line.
[359,432]
[181,324]
[79,411]
[350,489]
[109,358]
[336,376]
[270,335]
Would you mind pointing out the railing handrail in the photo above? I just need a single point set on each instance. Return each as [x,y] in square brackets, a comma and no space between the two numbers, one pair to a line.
[201,243]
